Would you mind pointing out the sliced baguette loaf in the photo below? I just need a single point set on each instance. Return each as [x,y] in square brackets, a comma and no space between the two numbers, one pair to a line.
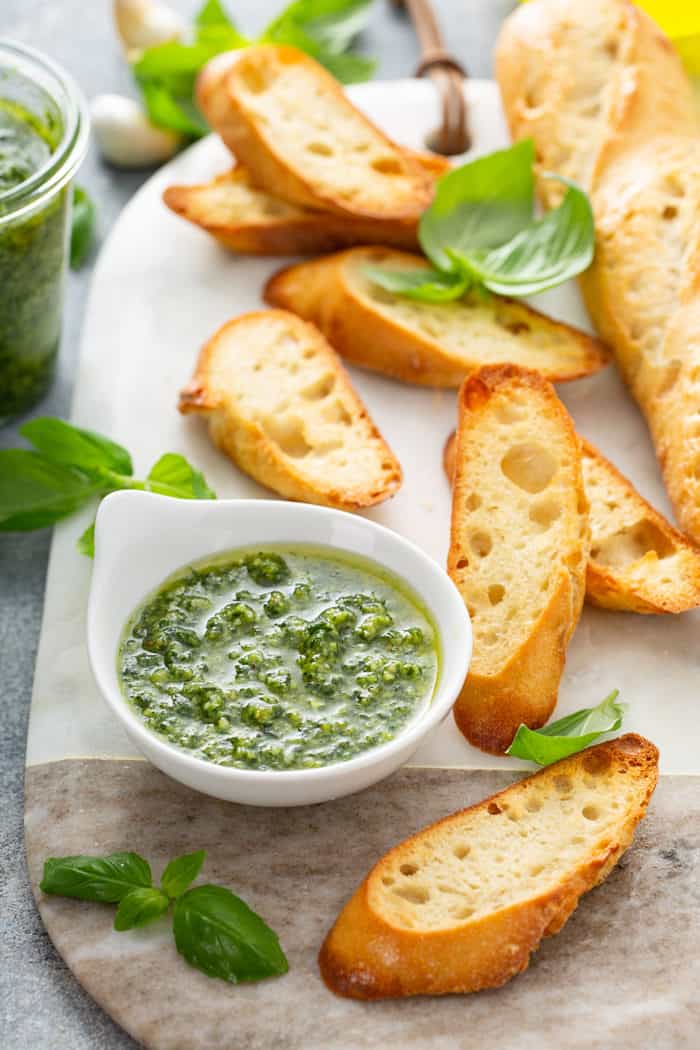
[604,96]
[519,547]
[289,122]
[638,561]
[432,344]
[281,405]
[461,905]
[251,221]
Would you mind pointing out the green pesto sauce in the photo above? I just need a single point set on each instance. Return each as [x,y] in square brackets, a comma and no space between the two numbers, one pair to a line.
[32,257]
[23,149]
[278,658]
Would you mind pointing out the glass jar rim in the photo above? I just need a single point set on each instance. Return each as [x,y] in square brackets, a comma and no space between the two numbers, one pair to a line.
[69,152]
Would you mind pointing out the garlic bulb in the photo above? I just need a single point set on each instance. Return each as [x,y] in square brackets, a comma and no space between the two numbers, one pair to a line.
[126,137]
[143,23]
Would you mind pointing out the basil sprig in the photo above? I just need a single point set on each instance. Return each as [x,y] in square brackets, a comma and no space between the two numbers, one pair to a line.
[481,232]
[166,74]
[215,931]
[570,734]
[68,466]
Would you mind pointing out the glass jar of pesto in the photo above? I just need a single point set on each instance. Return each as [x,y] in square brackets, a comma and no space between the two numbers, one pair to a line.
[43,138]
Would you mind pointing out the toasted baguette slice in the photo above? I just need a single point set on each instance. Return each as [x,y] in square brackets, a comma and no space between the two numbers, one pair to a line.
[431,344]
[281,405]
[638,561]
[519,547]
[290,123]
[251,221]
[461,905]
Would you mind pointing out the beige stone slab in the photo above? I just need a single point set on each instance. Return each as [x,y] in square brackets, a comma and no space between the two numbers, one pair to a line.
[624,971]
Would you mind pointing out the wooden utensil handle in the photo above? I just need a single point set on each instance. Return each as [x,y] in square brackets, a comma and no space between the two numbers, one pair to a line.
[447,74]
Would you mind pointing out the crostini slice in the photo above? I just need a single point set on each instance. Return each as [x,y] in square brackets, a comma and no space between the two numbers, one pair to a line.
[638,562]
[519,547]
[250,221]
[280,404]
[290,123]
[430,344]
[461,905]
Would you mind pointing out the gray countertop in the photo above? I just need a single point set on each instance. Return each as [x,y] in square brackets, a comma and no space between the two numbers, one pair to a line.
[42,1004]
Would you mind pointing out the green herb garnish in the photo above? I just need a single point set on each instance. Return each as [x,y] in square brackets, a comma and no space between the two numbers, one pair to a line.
[481,232]
[82,233]
[325,29]
[570,734]
[166,74]
[69,466]
[214,930]
[220,935]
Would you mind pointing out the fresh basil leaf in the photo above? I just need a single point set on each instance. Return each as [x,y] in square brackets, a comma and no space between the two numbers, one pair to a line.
[86,542]
[544,254]
[105,879]
[34,492]
[432,286]
[166,75]
[82,233]
[181,872]
[220,38]
[173,471]
[220,935]
[139,907]
[479,205]
[62,442]
[212,14]
[333,24]
[173,63]
[570,734]
[320,27]
[171,112]
[348,69]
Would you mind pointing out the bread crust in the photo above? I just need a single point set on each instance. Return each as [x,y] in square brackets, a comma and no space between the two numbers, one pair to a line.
[639,157]
[224,103]
[268,226]
[630,589]
[491,705]
[322,291]
[244,438]
[366,956]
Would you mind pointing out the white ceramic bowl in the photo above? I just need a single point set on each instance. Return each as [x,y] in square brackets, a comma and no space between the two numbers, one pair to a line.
[140,539]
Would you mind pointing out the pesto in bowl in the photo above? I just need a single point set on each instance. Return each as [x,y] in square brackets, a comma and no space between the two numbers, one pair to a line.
[279,658]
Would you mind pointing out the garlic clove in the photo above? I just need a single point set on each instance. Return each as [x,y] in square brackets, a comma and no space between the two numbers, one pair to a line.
[144,23]
[126,137]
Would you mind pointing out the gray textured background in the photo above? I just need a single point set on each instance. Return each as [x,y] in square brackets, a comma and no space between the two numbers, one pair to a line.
[41,1005]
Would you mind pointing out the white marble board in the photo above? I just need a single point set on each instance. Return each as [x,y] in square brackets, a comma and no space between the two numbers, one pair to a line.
[160,289]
